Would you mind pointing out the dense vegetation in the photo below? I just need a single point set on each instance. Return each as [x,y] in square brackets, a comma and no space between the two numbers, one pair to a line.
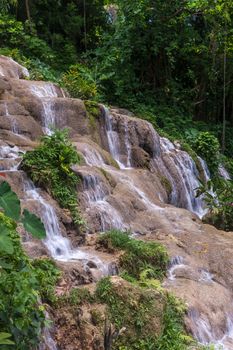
[23,284]
[138,257]
[49,166]
[169,61]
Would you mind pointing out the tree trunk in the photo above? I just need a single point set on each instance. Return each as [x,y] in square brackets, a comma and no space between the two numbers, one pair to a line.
[224,98]
[28,14]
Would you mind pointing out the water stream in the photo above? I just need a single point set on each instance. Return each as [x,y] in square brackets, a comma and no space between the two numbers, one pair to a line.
[184,184]
[13,122]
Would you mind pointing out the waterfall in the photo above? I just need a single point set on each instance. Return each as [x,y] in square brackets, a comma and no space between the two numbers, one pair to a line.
[9,158]
[13,123]
[205,276]
[96,198]
[223,172]
[49,118]
[187,180]
[92,157]
[203,332]
[43,90]
[47,342]
[46,93]
[58,246]
[93,189]
[205,169]
[175,263]
[127,144]
[113,138]
[114,143]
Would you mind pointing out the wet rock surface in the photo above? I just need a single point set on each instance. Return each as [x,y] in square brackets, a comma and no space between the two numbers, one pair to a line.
[132,179]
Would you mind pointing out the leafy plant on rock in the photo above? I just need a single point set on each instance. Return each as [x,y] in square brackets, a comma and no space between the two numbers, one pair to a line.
[49,165]
[138,255]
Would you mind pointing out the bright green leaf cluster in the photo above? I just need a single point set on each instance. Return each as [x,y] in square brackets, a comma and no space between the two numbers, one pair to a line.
[49,166]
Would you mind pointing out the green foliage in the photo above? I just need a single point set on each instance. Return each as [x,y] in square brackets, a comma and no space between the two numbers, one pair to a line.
[173,336]
[207,146]
[138,255]
[78,81]
[218,195]
[132,309]
[49,166]
[142,311]
[22,284]
[4,339]
[20,314]
[10,203]
[14,35]
[93,111]
[33,224]
[47,275]
[76,297]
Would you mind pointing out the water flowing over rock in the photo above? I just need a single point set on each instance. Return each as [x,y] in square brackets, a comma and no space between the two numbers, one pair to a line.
[131,179]
[223,172]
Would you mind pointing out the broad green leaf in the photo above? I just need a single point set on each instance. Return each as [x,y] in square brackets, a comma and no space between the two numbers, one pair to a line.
[5,265]
[6,245]
[33,224]
[4,339]
[9,201]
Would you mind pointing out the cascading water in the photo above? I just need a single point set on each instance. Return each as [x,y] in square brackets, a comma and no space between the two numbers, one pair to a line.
[184,186]
[45,93]
[114,141]
[13,123]
[127,144]
[49,119]
[93,189]
[45,90]
[175,263]
[9,158]
[203,332]
[92,157]
[113,138]
[187,180]
[47,342]
[223,172]
[58,246]
[205,276]
[95,194]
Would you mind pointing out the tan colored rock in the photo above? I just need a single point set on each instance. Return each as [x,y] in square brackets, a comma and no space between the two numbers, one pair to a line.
[11,69]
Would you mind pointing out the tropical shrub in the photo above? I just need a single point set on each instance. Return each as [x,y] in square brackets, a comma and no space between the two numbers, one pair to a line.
[14,35]
[207,146]
[21,314]
[79,82]
[218,195]
[136,313]
[49,166]
[138,255]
